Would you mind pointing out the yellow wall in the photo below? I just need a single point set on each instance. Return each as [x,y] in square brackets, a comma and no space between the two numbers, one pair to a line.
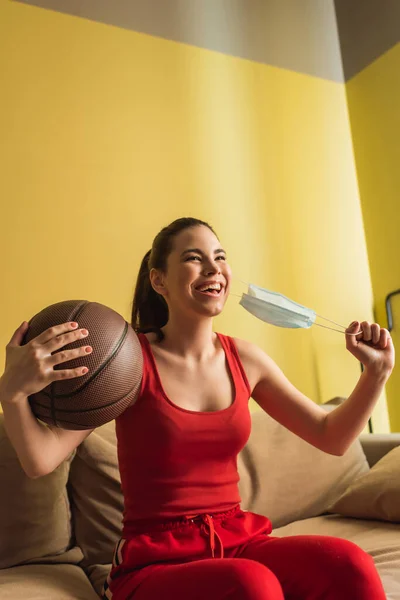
[110,135]
[374,100]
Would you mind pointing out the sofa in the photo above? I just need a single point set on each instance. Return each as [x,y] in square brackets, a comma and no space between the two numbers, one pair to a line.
[57,533]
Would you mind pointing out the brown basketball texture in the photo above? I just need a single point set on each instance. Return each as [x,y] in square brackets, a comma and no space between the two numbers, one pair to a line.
[115,367]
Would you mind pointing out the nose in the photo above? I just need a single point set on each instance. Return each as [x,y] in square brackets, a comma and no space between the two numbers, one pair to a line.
[212,267]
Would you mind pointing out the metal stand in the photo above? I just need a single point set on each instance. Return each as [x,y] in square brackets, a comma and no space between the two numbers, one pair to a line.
[389,309]
[389,316]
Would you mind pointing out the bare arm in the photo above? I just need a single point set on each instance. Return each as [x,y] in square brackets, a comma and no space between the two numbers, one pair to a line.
[335,431]
[373,347]
[347,421]
[29,369]
[40,448]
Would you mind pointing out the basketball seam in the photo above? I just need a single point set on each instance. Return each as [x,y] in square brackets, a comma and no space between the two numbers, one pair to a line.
[66,410]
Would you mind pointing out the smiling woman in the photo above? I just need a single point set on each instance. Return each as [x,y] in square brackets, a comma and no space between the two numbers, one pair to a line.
[178,447]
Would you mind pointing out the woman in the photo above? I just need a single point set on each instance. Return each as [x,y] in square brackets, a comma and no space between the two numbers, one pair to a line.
[184,534]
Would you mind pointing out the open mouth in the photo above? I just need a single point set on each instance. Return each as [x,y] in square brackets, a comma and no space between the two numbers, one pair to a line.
[213,291]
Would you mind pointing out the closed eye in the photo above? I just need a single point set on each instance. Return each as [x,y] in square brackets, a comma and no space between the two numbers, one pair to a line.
[194,257]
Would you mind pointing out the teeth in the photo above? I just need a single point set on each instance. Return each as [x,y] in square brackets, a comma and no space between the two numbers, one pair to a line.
[212,286]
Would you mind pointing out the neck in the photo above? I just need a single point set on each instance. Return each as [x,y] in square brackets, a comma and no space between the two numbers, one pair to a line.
[189,338]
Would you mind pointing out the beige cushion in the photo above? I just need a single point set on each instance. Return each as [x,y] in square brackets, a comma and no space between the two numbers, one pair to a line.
[46,582]
[96,496]
[97,575]
[380,539]
[287,478]
[377,445]
[375,495]
[34,513]
[375,537]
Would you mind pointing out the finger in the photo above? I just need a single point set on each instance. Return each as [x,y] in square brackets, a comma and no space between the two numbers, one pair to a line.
[64,339]
[367,333]
[18,335]
[55,331]
[351,341]
[376,333]
[384,338]
[68,373]
[67,355]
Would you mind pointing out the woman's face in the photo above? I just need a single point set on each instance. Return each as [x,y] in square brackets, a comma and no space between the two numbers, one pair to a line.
[196,262]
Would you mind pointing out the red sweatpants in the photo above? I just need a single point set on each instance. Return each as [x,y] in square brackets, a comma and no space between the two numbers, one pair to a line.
[231,556]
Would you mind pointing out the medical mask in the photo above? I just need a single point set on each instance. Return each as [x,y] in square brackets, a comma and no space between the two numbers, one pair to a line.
[279,310]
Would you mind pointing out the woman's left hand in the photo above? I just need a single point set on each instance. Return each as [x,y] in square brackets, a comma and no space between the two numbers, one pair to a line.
[373,347]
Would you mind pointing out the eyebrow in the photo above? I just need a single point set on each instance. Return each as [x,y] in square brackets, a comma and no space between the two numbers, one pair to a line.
[198,251]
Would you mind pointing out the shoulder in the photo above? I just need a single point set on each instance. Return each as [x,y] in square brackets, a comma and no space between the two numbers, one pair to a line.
[244,346]
[248,350]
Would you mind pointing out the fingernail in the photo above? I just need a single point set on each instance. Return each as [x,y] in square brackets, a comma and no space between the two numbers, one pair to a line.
[354,323]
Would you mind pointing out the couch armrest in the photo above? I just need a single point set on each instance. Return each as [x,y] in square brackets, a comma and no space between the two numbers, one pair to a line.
[376,445]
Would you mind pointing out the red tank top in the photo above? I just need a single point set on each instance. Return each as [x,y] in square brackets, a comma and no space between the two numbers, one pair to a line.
[173,461]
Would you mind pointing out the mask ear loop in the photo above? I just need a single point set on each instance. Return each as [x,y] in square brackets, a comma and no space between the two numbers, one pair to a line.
[241,280]
[338,330]
[318,324]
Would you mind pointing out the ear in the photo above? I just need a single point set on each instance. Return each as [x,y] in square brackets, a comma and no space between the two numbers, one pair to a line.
[157,281]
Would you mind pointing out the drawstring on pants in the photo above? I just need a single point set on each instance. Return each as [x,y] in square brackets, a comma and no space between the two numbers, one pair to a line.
[208,522]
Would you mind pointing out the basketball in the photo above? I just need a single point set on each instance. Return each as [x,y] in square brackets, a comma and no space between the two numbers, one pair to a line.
[115,367]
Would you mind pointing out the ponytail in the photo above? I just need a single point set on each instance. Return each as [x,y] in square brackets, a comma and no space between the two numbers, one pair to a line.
[150,310]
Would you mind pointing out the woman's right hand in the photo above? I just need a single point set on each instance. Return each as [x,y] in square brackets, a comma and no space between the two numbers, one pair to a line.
[29,368]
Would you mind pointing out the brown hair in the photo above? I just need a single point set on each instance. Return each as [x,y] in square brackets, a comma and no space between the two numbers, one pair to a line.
[149,309]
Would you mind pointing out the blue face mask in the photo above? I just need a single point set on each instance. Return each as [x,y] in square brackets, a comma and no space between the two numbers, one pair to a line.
[279,310]
[276,309]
